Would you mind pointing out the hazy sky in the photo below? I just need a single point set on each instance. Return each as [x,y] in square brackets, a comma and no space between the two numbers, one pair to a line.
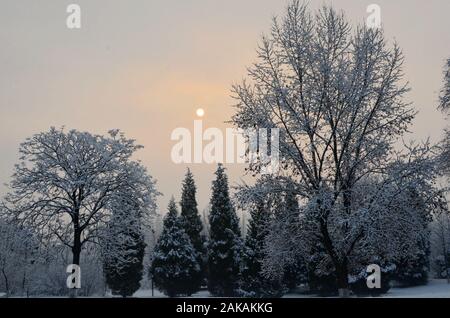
[145,66]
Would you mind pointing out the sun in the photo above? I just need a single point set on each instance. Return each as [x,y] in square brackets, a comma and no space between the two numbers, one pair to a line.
[200,112]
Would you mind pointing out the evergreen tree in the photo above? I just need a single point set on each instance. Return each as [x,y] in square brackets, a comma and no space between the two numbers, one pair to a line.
[254,241]
[225,245]
[321,275]
[124,248]
[126,281]
[285,259]
[412,268]
[192,225]
[174,260]
[295,271]
[254,283]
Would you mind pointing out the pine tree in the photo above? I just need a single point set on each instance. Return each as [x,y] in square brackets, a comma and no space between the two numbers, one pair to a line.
[321,275]
[174,260]
[412,268]
[295,271]
[126,281]
[254,241]
[254,283]
[225,245]
[124,249]
[192,225]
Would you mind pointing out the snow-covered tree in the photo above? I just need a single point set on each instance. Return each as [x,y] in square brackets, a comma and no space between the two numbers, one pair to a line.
[123,245]
[225,244]
[65,182]
[337,97]
[48,274]
[444,98]
[440,241]
[441,224]
[444,106]
[174,258]
[255,238]
[279,221]
[412,266]
[254,283]
[19,253]
[192,224]
[287,215]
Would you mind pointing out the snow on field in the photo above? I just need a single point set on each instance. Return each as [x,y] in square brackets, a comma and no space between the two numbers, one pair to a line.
[145,293]
[436,288]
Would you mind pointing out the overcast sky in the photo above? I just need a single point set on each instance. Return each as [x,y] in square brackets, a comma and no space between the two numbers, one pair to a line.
[145,66]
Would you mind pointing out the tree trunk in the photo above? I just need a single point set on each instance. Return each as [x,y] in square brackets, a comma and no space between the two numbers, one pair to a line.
[342,280]
[76,251]
[341,266]
[447,262]
[24,277]
[445,251]
[342,269]
[6,282]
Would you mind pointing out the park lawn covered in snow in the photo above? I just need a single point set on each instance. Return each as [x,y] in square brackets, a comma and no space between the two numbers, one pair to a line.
[436,288]
[145,293]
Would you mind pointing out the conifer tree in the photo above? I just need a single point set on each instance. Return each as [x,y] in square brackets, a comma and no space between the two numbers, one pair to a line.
[192,225]
[225,245]
[256,234]
[295,271]
[126,280]
[412,268]
[254,283]
[174,260]
[124,247]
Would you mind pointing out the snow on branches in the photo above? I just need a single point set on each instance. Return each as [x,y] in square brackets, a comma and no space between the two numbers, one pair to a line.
[337,95]
[66,184]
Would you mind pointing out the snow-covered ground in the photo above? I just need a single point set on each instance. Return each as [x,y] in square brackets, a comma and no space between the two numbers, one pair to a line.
[144,293]
[436,288]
